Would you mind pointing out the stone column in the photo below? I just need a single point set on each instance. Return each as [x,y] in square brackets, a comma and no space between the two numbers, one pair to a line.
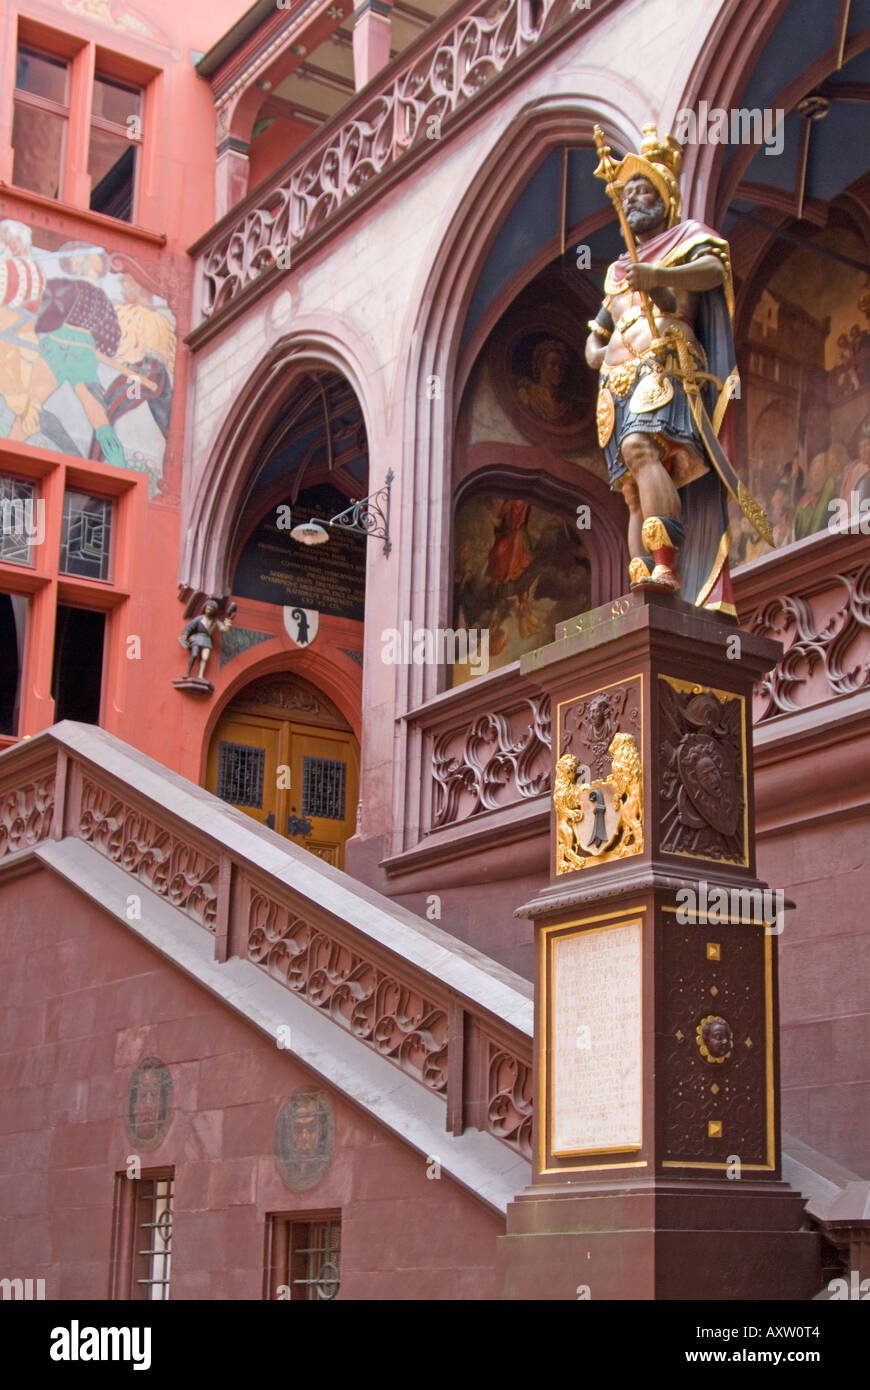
[372,33]
[230,175]
[656,1168]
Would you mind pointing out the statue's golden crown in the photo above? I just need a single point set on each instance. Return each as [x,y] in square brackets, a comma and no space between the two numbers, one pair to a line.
[659,161]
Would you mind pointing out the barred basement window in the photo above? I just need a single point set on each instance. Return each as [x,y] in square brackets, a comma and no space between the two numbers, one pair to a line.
[241,770]
[153,1253]
[323,788]
[142,1239]
[303,1258]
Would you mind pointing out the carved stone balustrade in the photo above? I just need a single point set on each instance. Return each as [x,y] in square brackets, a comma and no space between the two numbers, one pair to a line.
[446,1016]
[439,76]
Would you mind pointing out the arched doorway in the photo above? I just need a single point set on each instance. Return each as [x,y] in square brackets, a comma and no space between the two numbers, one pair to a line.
[284,754]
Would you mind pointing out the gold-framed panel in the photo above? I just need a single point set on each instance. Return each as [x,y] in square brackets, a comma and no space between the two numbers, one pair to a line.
[770,1099]
[619,917]
[695,688]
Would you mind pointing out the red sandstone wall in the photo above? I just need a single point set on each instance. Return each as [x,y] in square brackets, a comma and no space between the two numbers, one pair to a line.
[824,966]
[86,1003]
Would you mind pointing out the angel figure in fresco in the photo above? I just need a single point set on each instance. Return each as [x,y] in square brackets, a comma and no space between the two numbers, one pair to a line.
[511,552]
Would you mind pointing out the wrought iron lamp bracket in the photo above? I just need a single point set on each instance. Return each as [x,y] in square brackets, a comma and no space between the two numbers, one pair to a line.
[370,516]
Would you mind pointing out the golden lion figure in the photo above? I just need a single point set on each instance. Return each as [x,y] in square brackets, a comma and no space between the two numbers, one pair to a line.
[566,798]
[627,778]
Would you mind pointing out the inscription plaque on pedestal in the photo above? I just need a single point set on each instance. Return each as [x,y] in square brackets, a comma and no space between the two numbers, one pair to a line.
[596,1040]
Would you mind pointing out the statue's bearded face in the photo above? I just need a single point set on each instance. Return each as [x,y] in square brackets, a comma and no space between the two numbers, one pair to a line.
[645,210]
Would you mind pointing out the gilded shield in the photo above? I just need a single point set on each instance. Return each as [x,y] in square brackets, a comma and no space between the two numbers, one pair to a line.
[605,415]
[599,818]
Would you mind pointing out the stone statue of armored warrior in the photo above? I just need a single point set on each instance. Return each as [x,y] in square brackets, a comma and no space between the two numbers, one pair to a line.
[663,346]
[197,635]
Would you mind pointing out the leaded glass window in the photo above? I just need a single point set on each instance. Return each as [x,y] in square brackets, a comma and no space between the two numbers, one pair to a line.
[86,535]
[19,520]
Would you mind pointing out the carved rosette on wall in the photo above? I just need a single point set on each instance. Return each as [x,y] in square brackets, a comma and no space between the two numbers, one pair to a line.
[834,647]
[488,757]
[702,763]
[393,1018]
[155,856]
[510,1103]
[718,1090]
[25,814]
[598,787]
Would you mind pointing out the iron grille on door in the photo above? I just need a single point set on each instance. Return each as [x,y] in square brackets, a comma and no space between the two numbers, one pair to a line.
[323,782]
[241,770]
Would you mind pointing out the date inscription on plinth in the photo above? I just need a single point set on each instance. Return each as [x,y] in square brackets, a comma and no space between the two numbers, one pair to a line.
[596,1077]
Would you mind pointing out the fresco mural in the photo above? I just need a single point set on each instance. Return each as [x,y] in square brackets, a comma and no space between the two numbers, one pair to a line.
[117,13]
[519,569]
[807,391]
[87,353]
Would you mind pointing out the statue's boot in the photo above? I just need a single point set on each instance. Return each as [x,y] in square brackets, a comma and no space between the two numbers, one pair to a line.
[664,536]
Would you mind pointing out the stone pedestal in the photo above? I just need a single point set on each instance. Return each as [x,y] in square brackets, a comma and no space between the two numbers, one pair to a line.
[656,1145]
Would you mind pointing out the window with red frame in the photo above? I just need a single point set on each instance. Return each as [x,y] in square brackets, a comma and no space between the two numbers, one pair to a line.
[39,122]
[116,128]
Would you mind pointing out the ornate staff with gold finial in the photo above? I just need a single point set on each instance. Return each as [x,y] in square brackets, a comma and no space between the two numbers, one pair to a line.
[607,170]
[684,367]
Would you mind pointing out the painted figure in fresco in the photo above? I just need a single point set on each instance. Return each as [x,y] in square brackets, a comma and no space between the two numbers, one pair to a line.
[511,552]
[75,329]
[197,635]
[813,511]
[663,346]
[857,476]
[76,321]
[544,393]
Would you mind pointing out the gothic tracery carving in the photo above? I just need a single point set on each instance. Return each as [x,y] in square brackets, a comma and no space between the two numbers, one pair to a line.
[25,814]
[510,1105]
[477,48]
[377,1008]
[183,875]
[825,646]
[490,756]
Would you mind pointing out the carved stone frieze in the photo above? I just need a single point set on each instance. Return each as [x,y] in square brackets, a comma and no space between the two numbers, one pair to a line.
[702,772]
[491,762]
[25,814]
[157,857]
[377,1008]
[510,1104]
[832,646]
[401,117]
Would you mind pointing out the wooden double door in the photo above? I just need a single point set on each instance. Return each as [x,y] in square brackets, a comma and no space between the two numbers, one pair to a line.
[298,777]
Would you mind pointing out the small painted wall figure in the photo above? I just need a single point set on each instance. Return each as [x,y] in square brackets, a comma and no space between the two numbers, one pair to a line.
[197,635]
